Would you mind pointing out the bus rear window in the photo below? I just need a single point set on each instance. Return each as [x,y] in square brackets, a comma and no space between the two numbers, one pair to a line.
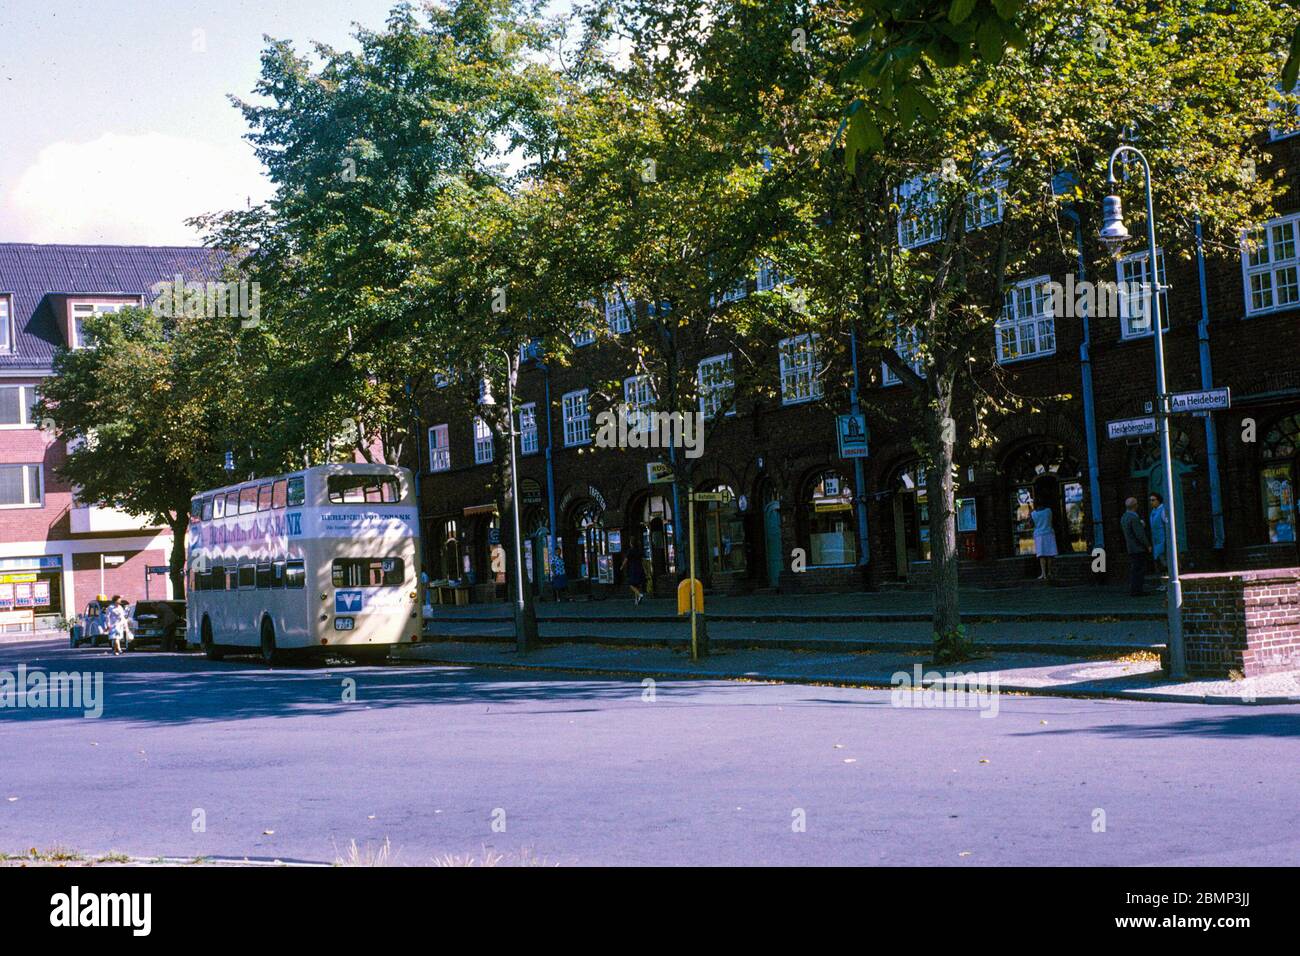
[368,572]
[362,489]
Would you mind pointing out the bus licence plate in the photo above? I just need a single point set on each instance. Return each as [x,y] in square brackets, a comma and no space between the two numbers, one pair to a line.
[343,624]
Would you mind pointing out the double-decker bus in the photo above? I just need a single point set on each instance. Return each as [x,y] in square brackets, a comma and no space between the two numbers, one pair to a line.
[323,559]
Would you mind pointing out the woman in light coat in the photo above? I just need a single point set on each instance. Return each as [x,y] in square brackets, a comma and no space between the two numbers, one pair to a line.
[1044,540]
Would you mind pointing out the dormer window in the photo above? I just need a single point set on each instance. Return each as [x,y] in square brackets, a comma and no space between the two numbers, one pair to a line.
[6,323]
[81,311]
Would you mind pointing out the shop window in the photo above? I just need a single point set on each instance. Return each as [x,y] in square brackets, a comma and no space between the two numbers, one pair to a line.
[1277,476]
[828,508]
[1043,474]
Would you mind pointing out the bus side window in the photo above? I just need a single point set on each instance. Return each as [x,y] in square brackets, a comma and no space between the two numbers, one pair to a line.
[278,494]
[216,579]
[248,500]
[232,503]
[219,506]
[295,575]
[263,577]
[196,509]
[264,498]
[297,492]
[232,579]
[247,577]
[207,509]
[277,575]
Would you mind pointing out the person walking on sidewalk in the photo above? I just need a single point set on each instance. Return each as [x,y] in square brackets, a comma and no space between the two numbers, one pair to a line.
[1137,544]
[1044,540]
[1159,517]
[634,568]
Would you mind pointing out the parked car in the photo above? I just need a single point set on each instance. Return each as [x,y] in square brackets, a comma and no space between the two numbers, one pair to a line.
[160,622]
[89,629]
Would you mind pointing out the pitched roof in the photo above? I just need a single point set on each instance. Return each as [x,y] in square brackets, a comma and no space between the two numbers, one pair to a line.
[31,273]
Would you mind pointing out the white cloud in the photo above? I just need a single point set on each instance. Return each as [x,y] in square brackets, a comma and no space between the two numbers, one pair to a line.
[131,189]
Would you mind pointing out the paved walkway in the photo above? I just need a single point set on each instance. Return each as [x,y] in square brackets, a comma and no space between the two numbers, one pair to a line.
[1134,676]
[1028,603]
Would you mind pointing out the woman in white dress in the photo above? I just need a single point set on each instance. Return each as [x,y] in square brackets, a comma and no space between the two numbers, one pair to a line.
[1044,540]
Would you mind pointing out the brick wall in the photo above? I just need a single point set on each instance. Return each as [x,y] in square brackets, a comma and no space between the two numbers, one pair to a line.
[1247,621]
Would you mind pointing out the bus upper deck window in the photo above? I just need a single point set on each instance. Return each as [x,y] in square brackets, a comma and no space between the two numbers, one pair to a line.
[248,500]
[219,506]
[196,509]
[295,574]
[362,489]
[264,498]
[207,509]
[278,493]
[232,503]
[297,493]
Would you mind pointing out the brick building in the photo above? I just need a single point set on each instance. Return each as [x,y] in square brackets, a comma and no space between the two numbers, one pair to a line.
[1233,319]
[57,553]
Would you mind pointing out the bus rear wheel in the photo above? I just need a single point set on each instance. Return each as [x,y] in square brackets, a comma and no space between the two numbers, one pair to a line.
[210,649]
[269,654]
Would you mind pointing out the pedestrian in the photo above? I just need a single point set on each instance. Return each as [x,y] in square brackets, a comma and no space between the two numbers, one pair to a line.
[1044,540]
[1137,544]
[117,623]
[1159,518]
[634,569]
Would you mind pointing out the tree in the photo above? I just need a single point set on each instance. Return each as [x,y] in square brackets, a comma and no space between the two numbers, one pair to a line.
[148,412]
[970,175]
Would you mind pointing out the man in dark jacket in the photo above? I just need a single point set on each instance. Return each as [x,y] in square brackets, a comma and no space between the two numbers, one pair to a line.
[1138,544]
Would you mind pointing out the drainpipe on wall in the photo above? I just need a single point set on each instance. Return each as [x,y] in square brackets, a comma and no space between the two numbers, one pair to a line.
[1089,404]
[1207,381]
[864,543]
[419,472]
[550,478]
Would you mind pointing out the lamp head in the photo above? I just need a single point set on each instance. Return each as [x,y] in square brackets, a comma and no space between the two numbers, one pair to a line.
[1113,231]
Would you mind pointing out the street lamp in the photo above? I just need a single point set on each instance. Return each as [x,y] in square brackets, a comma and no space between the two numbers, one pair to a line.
[524,636]
[1114,235]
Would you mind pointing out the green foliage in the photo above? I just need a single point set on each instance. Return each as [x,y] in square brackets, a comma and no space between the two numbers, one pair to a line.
[952,645]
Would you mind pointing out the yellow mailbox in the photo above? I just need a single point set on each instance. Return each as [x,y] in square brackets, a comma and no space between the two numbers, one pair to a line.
[684,596]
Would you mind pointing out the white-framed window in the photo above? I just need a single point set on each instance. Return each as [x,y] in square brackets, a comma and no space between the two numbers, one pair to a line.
[1134,287]
[1287,115]
[1027,327]
[16,402]
[907,343]
[577,418]
[920,220]
[717,384]
[1269,270]
[769,276]
[81,311]
[439,449]
[528,442]
[586,334]
[638,401]
[984,204]
[800,369]
[22,486]
[620,309]
[6,323]
[482,442]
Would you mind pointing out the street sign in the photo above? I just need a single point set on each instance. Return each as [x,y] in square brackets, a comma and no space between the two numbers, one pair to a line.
[1205,400]
[851,433]
[157,569]
[658,474]
[1131,427]
[711,496]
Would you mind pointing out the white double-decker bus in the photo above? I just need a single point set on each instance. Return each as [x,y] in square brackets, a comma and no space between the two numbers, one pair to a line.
[325,559]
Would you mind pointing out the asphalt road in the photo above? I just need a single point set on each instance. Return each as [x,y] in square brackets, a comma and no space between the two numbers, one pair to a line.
[583,770]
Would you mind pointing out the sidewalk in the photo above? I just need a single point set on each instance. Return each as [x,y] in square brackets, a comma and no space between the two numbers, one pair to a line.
[1032,602]
[1039,620]
[1134,677]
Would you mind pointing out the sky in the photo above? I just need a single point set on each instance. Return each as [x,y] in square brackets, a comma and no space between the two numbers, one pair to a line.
[114,120]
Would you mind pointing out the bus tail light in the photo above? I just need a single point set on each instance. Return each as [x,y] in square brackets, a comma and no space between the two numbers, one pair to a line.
[324,640]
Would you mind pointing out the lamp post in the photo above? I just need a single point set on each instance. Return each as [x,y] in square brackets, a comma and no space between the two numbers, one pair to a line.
[525,632]
[1114,235]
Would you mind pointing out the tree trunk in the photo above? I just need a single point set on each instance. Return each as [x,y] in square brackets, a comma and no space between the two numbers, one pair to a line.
[943,516]
[176,566]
